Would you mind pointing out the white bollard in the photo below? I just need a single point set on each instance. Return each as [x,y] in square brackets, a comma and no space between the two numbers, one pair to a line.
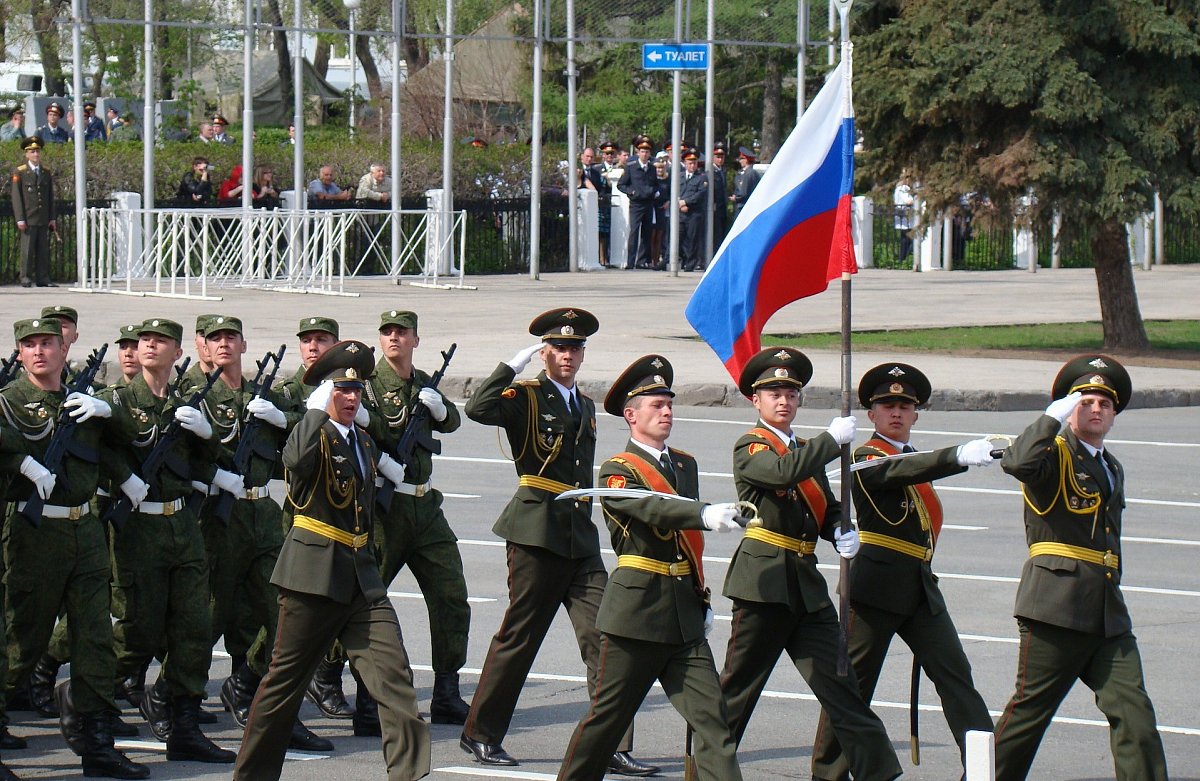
[981,756]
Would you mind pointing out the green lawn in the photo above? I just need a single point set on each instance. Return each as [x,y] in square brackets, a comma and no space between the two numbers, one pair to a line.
[1183,335]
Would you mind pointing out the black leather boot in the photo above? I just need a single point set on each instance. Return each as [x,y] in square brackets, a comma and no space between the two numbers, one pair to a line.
[10,742]
[325,690]
[133,688]
[366,710]
[156,709]
[186,742]
[70,722]
[119,728]
[101,758]
[41,686]
[238,693]
[304,739]
[447,706]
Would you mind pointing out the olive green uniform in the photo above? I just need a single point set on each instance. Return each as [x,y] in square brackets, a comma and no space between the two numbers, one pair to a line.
[781,602]
[652,629]
[1072,617]
[896,593]
[33,203]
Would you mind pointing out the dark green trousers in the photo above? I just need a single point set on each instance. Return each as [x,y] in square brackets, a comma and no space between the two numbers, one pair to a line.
[934,641]
[161,577]
[761,632]
[628,669]
[370,633]
[1050,661]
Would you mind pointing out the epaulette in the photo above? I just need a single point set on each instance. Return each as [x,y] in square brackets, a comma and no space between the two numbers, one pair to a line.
[22,168]
[533,383]
[683,453]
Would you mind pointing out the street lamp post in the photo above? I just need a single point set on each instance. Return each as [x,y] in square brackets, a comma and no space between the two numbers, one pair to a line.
[353,6]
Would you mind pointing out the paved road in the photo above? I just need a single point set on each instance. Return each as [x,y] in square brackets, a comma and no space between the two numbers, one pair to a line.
[979,559]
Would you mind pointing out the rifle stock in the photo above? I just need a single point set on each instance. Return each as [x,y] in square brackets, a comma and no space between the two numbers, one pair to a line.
[8,368]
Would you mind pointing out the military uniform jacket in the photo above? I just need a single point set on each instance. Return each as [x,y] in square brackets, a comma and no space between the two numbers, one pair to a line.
[638,183]
[54,135]
[33,196]
[226,410]
[645,605]
[295,392]
[544,443]
[744,182]
[884,503]
[1068,500]
[693,192]
[30,412]
[391,398]
[760,571]
[323,484]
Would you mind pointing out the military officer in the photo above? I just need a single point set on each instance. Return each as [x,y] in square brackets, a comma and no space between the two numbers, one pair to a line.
[328,580]
[655,615]
[893,590]
[160,573]
[32,190]
[62,561]
[1071,615]
[693,200]
[52,132]
[414,531]
[553,547]
[745,180]
[719,185]
[640,183]
[780,600]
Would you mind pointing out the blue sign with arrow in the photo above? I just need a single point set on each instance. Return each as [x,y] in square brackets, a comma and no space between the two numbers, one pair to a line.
[674,56]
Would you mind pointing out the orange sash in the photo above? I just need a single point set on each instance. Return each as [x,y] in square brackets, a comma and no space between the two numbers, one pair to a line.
[814,497]
[690,541]
[929,506]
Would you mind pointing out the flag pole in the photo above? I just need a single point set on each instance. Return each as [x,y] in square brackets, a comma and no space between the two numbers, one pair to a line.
[843,653]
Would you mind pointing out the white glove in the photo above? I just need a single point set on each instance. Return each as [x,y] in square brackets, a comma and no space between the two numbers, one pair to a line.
[846,544]
[432,399]
[1061,409]
[41,477]
[136,489]
[229,481]
[319,399]
[266,411]
[391,469]
[193,420]
[977,452]
[84,407]
[842,429]
[362,417]
[708,621]
[519,361]
[719,517]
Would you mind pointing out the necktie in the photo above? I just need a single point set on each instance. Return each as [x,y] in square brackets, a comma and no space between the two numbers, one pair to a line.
[576,413]
[909,449]
[689,178]
[792,444]
[664,461]
[352,441]
[1104,468]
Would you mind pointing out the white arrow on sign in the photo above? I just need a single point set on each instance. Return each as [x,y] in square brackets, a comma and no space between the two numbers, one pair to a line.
[654,56]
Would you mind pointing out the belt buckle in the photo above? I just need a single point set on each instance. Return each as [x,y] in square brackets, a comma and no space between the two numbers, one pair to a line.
[1110,559]
[168,509]
[74,514]
[419,491]
[928,555]
[676,568]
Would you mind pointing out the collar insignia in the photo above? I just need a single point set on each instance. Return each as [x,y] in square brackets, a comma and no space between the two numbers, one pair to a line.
[547,417]
[896,371]
[339,459]
[1098,363]
[1081,476]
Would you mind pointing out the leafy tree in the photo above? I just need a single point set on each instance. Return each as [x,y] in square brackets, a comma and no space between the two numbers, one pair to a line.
[1084,106]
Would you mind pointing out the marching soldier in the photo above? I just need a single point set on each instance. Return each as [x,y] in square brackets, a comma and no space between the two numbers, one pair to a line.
[414,531]
[329,582]
[780,600]
[62,562]
[893,590]
[655,615]
[127,354]
[553,547]
[316,335]
[33,207]
[1072,617]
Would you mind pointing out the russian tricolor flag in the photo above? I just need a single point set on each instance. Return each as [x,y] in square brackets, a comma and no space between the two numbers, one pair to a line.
[791,239]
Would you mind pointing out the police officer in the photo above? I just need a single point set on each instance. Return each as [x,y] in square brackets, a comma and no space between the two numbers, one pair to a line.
[655,615]
[719,185]
[893,590]
[553,547]
[745,180]
[52,132]
[640,183]
[32,190]
[1072,617]
[693,200]
[780,600]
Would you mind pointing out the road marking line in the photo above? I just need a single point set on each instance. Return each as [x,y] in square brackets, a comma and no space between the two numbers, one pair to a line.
[418,595]
[495,773]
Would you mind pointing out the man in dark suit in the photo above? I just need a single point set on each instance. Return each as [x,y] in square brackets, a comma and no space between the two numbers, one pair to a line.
[328,579]
[33,207]
[893,590]
[693,200]
[1072,617]
[655,615]
[553,548]
[745,180]
[639,182]
[780,600]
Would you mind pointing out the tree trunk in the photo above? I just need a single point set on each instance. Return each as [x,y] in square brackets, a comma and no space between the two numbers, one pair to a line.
[1119,311]
[321,58]
[772,107]
[97,88]
[370,69]
[416,51]
[42,15]
[284,64]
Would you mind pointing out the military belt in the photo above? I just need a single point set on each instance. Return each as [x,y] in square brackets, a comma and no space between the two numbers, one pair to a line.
[60,512]
[546,484]
[900,546]
[1105,559]
[258,492]
[409,489]
[674,569]
[803,547]
[355,541]
[160,508]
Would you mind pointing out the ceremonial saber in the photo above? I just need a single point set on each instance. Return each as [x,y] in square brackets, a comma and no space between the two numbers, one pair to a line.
[871,463]
[913,717]
[744,521]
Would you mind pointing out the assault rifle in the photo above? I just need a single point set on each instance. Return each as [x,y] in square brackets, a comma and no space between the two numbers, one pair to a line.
[118,511]
[249,440]
[63,441]
[415,433]
[8,369]
[177,384]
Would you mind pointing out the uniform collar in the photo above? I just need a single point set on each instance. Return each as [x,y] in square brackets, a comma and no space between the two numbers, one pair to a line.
[652,450]
[898,445]
[787,437]
[566,392]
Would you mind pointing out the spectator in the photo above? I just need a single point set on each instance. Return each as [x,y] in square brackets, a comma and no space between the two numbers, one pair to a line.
[660,235]
[93,126]
[112,120]
[52,132]
[291,139]
[623,158]
[125,130]
[232,187]
[604,179]
[375,185]
[640,182]
[717,181]
[693,198]
[745,181]
[15,129]
[323,188]
[265,194]
[902,213]
[195,189]
[219,124]
[206,133]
